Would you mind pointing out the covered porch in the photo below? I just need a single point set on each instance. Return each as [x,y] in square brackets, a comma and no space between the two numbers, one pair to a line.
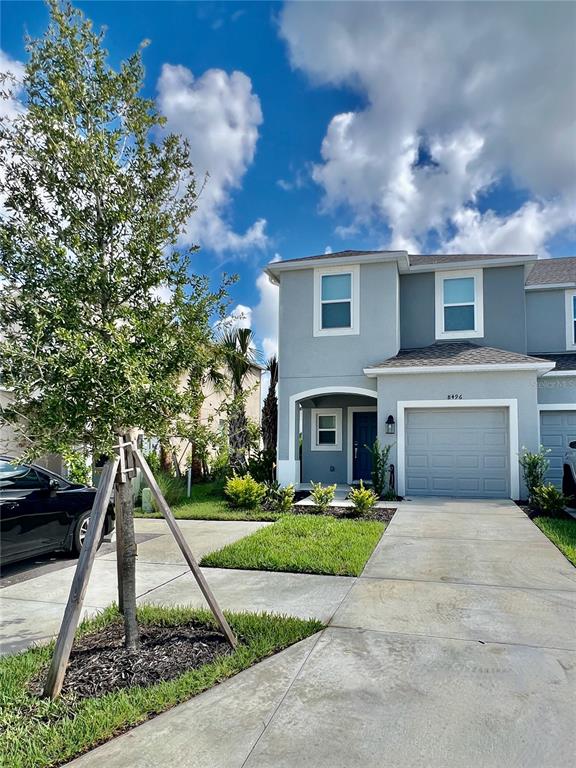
[330,432]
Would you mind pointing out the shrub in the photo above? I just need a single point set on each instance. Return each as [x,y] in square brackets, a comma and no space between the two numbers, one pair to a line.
[380,457]
[322,495]
[244,491]
[78,470]
[153,461]
[363,500]
[173,489]
[278,498]
[261,466]
[534,467]
[548,500]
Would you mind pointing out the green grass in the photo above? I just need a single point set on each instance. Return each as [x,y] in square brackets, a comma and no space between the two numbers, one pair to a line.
[560,532]
[207,502]
[303,544]
[37,733]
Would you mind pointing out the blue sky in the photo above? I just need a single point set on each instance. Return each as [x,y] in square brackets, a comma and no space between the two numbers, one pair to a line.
[356,125]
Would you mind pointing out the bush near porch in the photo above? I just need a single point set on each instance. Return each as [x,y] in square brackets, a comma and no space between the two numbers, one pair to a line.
[303,544]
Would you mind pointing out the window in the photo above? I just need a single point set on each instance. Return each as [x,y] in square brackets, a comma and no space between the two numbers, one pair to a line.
[459,305]
[326,429]
[336,308]
[570,319]
[14,477]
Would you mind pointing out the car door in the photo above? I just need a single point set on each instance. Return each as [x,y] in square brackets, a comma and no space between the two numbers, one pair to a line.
[29,522]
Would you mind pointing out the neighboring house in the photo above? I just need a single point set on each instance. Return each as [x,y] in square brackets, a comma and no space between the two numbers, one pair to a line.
[456,360]
[213,409]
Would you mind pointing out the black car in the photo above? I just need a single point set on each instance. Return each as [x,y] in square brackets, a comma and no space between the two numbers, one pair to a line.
[41,512]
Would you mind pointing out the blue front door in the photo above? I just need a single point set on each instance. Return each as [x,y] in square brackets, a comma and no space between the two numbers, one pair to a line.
[364,431]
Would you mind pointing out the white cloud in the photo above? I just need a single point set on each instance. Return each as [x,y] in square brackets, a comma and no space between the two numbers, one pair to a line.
[219,114]
[262,317]
[458,97]
[11,107]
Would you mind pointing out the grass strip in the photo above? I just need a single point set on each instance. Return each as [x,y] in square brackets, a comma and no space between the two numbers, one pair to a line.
[303,544]
[40,733]
[562,533]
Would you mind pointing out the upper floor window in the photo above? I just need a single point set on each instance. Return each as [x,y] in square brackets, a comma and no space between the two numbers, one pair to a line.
[336,304]
[459,304]
[570,319]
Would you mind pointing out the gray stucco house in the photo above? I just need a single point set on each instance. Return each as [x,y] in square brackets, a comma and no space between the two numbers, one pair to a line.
[456,360]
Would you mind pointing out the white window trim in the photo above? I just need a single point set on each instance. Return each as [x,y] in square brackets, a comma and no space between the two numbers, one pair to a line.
[511,404]
[569,295]
[354,272]
[477,275]
[350,442]
[314,413]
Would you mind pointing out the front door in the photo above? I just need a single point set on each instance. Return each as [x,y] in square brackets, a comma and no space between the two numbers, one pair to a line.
[364,431]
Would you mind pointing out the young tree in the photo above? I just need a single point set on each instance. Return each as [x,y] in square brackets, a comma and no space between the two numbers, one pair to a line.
[238,354]
[270,409]
[99,314]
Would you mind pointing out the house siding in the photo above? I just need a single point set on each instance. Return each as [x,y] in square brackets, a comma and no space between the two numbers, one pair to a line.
[546,321]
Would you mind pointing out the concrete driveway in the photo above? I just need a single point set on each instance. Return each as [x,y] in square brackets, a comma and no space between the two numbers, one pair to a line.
[456,647]
[33,597]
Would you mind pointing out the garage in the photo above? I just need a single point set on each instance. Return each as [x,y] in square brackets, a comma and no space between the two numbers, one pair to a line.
[557,429]
[462,452]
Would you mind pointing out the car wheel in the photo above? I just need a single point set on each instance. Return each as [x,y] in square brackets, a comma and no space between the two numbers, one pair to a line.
[80,531]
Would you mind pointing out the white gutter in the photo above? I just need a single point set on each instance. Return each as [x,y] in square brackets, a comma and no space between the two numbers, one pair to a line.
[549,286]
[542,368]
[276,267]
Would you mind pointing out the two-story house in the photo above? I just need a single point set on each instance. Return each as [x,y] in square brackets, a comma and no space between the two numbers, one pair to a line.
[457,361]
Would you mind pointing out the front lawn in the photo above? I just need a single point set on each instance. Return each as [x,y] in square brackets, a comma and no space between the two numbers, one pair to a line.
[207,502]
[303,544]
[560,532]
[37,732]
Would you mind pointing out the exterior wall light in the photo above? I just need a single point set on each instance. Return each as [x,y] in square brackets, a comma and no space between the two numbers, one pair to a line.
[390,425]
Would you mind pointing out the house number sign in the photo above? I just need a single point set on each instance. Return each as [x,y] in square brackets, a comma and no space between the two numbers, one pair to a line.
[455,396]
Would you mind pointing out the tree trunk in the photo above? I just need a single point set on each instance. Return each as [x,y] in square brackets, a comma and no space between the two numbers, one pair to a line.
[237,438]
[126,553]
[165,458]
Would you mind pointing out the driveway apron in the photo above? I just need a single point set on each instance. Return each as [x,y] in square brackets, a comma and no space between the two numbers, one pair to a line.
[456,647]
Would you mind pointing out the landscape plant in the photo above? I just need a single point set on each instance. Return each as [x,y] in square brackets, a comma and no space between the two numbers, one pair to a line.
[380,458]
[77,466]
[548,500]
[244,492]
[363,500]
[278,498]
[99,310]
[534,467]
[322,496]
[270,410]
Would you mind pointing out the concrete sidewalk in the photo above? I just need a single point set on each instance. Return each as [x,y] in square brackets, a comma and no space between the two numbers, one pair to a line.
[31,610]
[456,647]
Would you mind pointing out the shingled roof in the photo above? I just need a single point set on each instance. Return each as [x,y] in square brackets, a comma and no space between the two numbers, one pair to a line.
[553,271]
[457,353]
[452,258]
[564,362]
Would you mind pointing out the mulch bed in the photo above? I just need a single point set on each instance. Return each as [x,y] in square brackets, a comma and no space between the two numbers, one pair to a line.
[383,515]
[532,513]
[99,663]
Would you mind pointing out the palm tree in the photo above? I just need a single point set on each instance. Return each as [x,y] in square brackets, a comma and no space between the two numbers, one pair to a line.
[270,409]
[238,352]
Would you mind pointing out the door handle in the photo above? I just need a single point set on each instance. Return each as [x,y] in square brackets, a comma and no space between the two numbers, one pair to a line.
[10,507]
[355,450]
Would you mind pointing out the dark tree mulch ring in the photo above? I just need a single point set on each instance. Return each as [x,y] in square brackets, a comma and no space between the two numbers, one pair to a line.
[99,663]
[383,515]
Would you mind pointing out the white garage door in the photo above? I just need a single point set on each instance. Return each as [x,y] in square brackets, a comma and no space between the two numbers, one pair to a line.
[557,429]
[457,452]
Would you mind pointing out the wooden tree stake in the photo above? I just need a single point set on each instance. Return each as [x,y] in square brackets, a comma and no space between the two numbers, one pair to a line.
[65,639]
[184,547]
